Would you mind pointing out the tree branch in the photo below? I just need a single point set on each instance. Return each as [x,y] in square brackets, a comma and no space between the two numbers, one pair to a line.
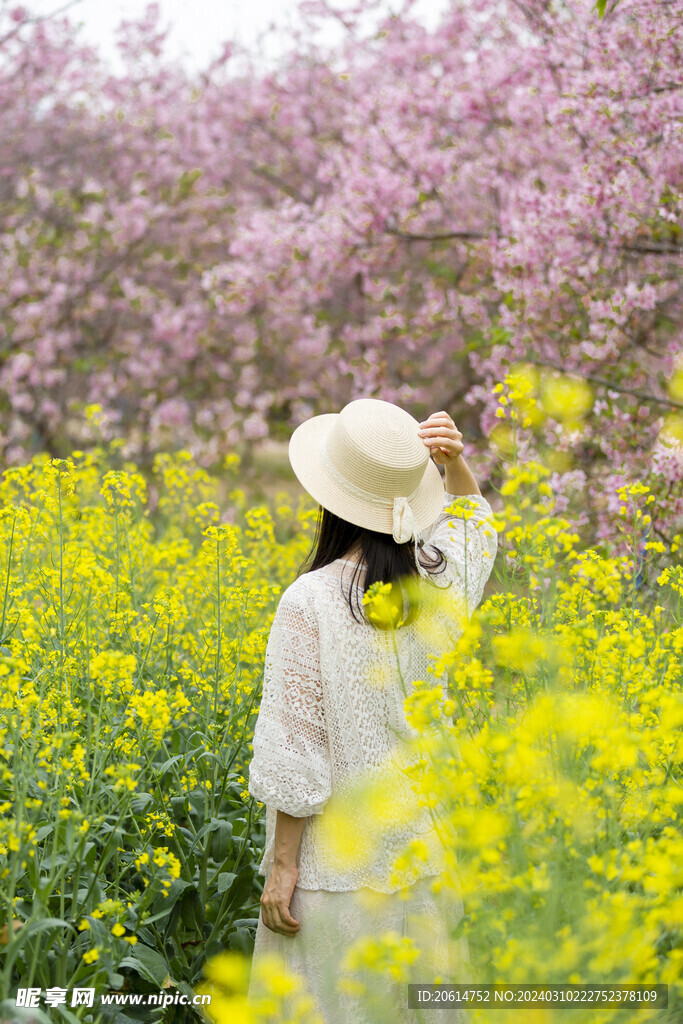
[37,19]
[606,383]
[274,179]
[419,237]
[410,236]
[653,250]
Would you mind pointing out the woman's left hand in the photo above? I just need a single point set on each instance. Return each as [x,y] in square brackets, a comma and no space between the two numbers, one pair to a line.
[276,897]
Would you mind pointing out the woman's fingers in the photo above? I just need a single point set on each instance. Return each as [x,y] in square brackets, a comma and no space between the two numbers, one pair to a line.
[278,919]
[280,925]
[442,439]
[286,918]
[437,417]
[441,429]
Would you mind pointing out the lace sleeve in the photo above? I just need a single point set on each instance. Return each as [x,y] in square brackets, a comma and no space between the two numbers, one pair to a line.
[291,768]
[469,544]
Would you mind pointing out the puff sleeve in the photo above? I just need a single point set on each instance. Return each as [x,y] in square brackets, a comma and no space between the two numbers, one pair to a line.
[291,767]
[469,543]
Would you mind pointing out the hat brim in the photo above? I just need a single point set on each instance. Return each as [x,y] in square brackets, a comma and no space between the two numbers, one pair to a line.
[305,448]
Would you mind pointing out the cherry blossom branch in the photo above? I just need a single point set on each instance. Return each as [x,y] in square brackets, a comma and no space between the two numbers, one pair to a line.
[603,382]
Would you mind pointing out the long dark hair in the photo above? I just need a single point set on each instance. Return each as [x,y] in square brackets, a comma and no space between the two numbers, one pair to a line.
[385,560]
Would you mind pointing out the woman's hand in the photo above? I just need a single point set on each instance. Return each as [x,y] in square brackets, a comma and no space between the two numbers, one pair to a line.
[442,436]
[276,897]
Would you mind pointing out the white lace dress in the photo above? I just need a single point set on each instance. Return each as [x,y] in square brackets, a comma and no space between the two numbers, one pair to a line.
[332,716]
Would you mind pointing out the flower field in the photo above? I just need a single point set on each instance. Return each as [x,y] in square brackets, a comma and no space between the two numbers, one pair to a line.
[131,657]
[134,623]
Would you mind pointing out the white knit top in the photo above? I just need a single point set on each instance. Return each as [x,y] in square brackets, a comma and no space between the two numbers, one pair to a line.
[323,719]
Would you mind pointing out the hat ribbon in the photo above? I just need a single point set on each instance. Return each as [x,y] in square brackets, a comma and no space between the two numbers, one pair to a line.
[404,523]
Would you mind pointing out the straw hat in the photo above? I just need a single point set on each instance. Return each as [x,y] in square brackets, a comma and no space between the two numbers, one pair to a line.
[368,465]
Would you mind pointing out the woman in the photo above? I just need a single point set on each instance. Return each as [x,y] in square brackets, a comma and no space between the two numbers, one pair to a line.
[332,715]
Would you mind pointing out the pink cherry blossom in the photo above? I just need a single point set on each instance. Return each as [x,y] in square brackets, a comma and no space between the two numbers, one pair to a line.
[214,257]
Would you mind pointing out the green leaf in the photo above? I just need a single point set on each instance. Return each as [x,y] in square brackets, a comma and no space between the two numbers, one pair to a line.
[220,843]
[148,963]
[241,887]
[168,764]
[179,807]
[225,880]
[242,940]
[167,902]
[211,826]
[140,802]
[34,928]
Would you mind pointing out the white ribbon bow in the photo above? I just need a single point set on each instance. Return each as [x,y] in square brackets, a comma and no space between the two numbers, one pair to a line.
[404,523]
